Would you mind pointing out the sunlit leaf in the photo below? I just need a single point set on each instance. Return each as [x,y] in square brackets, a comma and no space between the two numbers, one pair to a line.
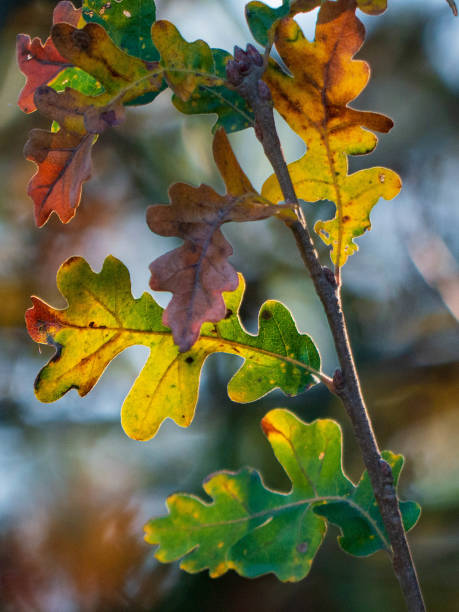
[128,24]
[314,99]
[64,163]
[186,65]
[64,157]
[263,19]
[39,62]
[198,272]
[233,112]
[102,319]
[255,530]
[92,50]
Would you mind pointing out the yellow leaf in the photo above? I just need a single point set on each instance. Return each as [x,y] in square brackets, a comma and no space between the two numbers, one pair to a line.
[314,100]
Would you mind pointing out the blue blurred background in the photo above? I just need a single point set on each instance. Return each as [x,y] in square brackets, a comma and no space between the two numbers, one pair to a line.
[75,491]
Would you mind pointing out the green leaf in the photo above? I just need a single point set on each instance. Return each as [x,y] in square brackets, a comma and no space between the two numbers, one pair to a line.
[356,538]
[103,319]
[186,65]
[254,530]
[77,79]
[128,23]
[262,18]
[233,112]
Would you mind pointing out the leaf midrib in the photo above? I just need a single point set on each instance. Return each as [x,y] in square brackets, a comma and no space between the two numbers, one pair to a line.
[202,338]
[279,509]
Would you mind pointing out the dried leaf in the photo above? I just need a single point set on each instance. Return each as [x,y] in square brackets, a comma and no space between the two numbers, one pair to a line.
[198,272]
[255,530]
[314,101]
[102,319]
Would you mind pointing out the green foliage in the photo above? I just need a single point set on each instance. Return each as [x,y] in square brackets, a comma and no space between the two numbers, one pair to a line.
[231,108]
[254,530]
[128,24]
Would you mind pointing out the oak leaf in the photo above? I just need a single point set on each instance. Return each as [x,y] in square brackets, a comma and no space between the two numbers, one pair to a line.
[128,24]
[314,99]
[232,110]
[64,158]
[263,19]
[198,272]
[254,530]
[186,65]
[64,163]
[39,62]
[102,319]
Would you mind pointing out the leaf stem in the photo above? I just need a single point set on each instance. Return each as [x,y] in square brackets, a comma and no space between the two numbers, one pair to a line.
[346,384]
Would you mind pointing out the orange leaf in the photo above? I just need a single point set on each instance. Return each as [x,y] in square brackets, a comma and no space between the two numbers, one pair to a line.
[64,163]
[313,98]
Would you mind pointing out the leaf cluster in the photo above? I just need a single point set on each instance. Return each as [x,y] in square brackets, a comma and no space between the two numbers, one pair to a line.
[105,57]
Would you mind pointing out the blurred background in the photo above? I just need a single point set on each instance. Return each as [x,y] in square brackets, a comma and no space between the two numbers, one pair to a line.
[75,491]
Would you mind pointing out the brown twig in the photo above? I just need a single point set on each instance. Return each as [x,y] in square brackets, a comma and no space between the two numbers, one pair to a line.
[245,73]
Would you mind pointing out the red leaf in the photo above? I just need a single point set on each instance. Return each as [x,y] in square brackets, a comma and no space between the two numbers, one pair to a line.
[39,62]
[64,163]
[198,272]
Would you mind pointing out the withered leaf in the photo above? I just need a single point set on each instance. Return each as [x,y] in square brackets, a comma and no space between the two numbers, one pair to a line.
[198,272]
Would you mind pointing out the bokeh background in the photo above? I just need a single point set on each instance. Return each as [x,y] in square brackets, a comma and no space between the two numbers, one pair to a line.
[75,491]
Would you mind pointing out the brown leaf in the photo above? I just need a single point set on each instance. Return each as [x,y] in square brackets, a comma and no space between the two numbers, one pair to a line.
[198,272]
[64,163]
[39,62]
[77,112]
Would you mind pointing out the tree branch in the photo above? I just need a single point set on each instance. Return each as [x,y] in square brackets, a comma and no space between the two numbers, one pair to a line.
[245,73]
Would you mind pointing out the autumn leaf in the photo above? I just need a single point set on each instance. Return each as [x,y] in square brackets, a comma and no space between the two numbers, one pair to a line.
[39,62]
[64,163]
[186,65]
[233,112]
[92,50]
[263,19]
[198,272]
[64,158]
[314,101]
[102,319]
[255,530]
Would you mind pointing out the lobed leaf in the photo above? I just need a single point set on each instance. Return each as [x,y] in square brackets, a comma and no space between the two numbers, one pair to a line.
[102,319]
[39,62]
[63,158]
[64,163]
[198,272]
[263,19]
[314,99]
[255,530]
[233,112]
[186,65]
[128,24]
